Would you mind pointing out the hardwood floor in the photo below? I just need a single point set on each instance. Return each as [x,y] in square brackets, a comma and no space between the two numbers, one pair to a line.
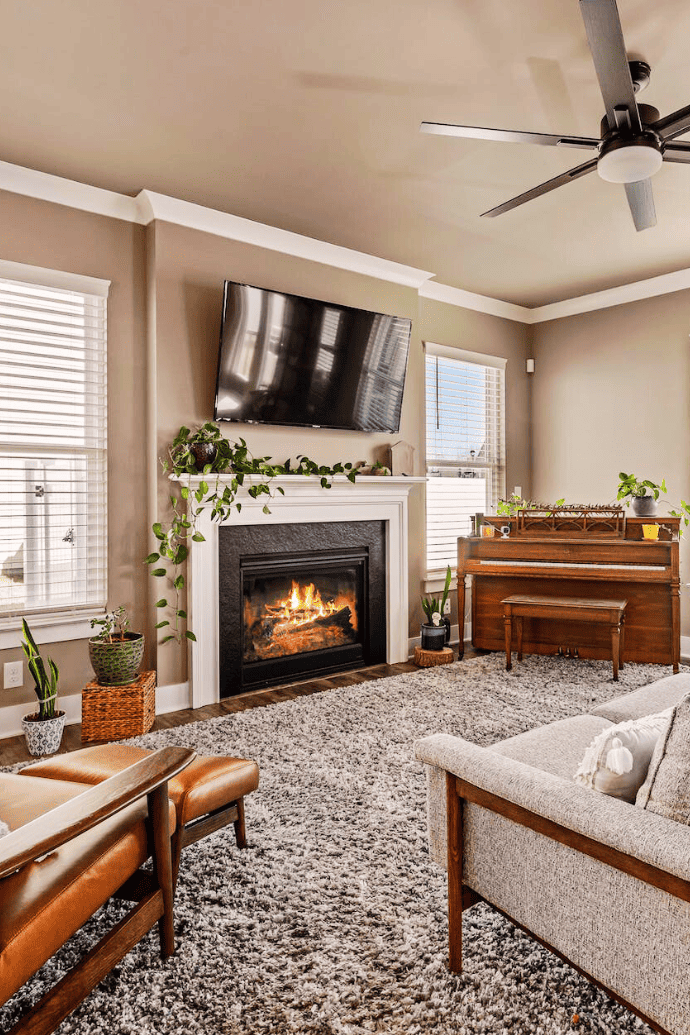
[13,749]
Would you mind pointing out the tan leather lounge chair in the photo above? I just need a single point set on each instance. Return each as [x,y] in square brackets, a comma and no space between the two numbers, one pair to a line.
[68,852]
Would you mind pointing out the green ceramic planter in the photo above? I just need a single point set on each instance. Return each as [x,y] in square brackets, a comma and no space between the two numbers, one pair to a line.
[117,663]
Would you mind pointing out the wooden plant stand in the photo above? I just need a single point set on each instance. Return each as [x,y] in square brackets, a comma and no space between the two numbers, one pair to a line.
[430,658]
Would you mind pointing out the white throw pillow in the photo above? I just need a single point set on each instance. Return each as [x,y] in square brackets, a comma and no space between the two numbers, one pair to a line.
[617,760]
[4,829]
[666,789]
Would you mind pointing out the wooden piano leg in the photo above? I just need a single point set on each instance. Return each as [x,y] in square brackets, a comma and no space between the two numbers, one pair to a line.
[621,659]
[615,648]
[508,623]
[519,638]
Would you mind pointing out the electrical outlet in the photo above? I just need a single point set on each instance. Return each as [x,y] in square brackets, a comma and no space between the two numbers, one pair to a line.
[446,607]
[13,674]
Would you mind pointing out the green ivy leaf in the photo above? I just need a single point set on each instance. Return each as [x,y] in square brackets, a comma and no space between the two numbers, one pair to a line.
[190,635]
[178,582]
[198,538]
[158,530]
[161,625]
[161,603]
[159,572]
[152,558]
[167,639]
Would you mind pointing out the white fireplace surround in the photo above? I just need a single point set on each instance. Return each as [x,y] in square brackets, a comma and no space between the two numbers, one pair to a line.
[370,498]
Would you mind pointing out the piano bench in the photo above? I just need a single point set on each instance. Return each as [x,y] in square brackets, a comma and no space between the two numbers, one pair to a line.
[576,609]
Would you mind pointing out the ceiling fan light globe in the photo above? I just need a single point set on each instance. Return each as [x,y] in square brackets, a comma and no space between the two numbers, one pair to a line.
[629,163]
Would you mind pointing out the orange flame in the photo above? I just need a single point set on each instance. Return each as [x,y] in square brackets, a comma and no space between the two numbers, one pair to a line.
[304,604]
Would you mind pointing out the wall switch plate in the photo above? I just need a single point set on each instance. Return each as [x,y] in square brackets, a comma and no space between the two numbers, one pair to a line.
[446,607]
[517,491]
[13,674]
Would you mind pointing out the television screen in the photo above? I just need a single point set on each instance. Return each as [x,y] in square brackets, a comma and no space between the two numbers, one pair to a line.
[285,359]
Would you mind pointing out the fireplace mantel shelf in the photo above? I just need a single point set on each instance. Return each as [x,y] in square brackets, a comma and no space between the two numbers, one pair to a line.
[308,482]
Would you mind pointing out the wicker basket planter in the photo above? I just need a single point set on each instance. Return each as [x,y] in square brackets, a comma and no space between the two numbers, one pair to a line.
[115,712]
[116,663]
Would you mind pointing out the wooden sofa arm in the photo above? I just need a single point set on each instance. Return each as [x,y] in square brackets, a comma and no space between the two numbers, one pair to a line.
[74,817]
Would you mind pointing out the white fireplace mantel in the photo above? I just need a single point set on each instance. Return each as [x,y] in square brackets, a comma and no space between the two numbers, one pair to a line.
[370,498]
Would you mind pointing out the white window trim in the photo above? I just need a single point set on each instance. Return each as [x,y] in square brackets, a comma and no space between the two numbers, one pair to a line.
[435,578]
[51,627]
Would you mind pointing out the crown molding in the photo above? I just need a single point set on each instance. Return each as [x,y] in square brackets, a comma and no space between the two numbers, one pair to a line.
[148,206]
[46,187]
[479,303]
[664,284]
[236,228]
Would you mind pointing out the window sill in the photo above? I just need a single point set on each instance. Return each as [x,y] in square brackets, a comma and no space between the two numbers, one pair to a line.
[436,580]
[46,628]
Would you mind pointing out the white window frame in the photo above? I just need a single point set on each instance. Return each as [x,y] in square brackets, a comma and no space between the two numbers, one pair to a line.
[497,480]
[72,623]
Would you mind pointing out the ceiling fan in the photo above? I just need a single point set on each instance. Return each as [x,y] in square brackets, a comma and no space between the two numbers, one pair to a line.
[634,139]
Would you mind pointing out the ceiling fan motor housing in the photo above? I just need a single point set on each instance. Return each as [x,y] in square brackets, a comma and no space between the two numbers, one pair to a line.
[627,158]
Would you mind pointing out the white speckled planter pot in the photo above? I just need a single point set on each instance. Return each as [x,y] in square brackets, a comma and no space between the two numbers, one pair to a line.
[43,736]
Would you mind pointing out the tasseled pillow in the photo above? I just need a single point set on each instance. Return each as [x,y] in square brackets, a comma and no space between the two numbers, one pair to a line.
[617,760]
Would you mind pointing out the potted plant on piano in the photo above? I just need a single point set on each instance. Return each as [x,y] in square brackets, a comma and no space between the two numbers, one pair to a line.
[43,729]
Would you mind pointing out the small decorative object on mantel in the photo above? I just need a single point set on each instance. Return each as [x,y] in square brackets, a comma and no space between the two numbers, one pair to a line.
[401,461]
[115,653]
[114,712]
[42,731]
[650,531]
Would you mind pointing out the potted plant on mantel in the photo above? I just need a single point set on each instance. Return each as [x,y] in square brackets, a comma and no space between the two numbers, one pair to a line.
[115,653]
[42,730]
[233,463]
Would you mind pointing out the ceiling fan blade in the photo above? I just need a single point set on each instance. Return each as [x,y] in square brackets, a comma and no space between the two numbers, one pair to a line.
[543,188]
[641,201]
[678,151]
[674,124]
[606,43]
[507,136]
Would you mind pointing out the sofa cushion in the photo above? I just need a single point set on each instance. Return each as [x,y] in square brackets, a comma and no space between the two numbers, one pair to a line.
[655,697]
[556,748]
[617,760]
[210,782]
[666,789]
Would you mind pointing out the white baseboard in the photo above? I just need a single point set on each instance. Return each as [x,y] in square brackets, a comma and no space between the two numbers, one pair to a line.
[172,698]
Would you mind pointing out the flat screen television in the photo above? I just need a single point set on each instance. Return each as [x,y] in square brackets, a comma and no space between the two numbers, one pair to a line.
[285,359]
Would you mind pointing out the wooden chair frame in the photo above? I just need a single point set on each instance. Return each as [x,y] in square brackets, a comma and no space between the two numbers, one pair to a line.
[461,897]
[146,778]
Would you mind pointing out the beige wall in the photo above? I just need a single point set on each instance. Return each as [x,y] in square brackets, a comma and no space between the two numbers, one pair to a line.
[611,393]
[42,234]
[163,325]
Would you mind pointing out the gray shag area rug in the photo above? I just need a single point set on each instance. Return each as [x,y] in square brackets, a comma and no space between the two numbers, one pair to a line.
[334,919]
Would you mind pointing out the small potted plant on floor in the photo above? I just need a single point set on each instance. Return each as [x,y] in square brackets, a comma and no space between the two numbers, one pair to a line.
[115,653]
[42,730]
[436,630]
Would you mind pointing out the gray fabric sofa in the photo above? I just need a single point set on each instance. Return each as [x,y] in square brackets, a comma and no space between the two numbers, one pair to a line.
[602,883]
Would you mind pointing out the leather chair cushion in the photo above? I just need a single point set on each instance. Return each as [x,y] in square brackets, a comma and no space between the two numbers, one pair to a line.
[208,783]
[45,902]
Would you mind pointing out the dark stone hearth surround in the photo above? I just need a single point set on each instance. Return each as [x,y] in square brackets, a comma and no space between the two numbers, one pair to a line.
[319,538]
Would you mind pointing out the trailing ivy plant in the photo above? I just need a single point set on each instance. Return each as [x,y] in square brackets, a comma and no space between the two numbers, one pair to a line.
[234,461]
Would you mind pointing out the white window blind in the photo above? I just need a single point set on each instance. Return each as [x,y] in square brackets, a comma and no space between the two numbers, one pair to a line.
[52,446]
[465,446]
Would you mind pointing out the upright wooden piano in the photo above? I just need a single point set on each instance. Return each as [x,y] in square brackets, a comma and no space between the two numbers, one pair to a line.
[576,552]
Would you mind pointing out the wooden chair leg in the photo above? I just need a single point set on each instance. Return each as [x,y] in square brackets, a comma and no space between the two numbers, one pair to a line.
[455,897]
[240,830]
[162,865]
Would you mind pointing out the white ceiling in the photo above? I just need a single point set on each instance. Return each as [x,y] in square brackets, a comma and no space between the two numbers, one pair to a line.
[305,114]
